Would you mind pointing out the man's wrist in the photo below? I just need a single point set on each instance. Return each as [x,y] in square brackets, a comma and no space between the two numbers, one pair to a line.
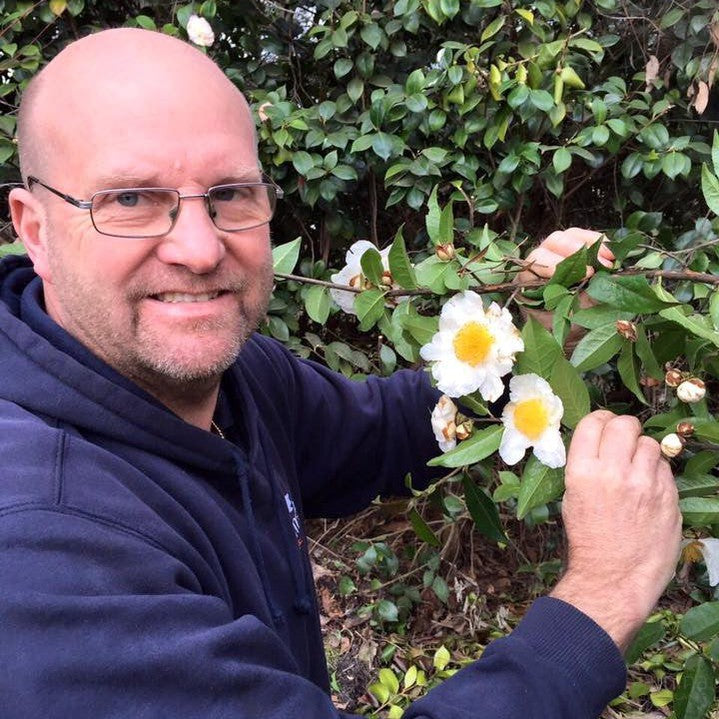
[604,603]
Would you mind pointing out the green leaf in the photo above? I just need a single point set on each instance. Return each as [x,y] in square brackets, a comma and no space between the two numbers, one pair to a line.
[541,351]
[478,447]
[302,161]
[345,172]
[421,328]
[695,693]
[14,248]
[493,28]
[440,588]
[671,18]
[284,257]
[629,372]
[698,511]
[372,268]
[698,485]
[382,145]
[561,160]
[709,431]
[568,385]
[372,35]
[342,67]
[483,511]
[389,679]
[646,355]
[596,347]
[355,88]
[701,623]
[446,225]
[571,269]
[387,612]
[710,189]
[714,309]
[696,324]
[399,264]
[540,484]
[649,634]
[441,658]
[369,306]
[317,303]
[422,529]
[434,216]
[625,292]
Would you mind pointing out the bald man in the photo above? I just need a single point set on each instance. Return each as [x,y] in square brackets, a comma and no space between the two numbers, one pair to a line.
[159,457]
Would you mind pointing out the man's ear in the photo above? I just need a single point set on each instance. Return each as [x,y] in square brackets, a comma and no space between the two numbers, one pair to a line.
[28,218]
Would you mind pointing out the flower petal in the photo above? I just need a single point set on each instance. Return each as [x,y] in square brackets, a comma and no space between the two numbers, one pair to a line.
[710,550]
[512,446]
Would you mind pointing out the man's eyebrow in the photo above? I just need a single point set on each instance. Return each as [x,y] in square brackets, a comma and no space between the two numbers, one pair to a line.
[118,180]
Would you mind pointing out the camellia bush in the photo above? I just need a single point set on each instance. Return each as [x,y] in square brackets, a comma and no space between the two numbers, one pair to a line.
[424,147]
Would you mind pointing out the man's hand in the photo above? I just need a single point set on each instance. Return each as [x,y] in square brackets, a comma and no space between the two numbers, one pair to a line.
[623,524]
[557,247]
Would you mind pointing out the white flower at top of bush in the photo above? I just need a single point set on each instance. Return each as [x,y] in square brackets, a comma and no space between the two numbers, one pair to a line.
[709,549]
[444,416]
[531,419]
[199,31]
[473,348]
[351,274]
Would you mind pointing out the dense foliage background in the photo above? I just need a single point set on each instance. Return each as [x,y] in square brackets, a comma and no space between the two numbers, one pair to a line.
[460,132]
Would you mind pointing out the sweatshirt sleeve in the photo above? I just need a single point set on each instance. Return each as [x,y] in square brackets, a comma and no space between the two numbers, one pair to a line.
[356,440]
[101,622]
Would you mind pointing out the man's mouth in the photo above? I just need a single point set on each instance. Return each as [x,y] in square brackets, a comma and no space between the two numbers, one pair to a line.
[174,297]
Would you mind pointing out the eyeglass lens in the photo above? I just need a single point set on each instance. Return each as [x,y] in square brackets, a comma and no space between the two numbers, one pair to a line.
[143,212]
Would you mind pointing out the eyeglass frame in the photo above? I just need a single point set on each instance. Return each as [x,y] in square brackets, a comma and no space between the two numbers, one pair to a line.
[87,204]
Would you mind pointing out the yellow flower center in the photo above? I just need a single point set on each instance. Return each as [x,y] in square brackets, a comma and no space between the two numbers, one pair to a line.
[692,553]
[531,418]
[472,343]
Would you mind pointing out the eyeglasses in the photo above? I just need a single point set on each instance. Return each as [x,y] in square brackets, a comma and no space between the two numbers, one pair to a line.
[142,212]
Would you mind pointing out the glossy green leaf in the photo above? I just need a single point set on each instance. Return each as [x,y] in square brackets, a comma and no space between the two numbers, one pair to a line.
[422,529]
[540,484]
[568,385]
[625,292]
[372,268]
[317,303]
[561,160]
[369,306]
[284,257]
[483,511]
[596,347]
[479,446]
[695,693]
[629,371]
[541,351]
[698,511]
[399,264]
[701,623]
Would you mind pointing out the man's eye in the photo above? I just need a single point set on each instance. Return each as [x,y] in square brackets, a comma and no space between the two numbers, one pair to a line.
[128,199]
[225,194]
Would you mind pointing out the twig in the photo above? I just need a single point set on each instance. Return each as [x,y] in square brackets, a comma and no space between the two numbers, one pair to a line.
[507,286]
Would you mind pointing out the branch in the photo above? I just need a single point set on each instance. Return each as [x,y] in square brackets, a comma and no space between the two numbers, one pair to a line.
[506,286]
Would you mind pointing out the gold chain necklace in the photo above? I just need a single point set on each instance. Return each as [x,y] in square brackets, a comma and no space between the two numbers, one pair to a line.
[216,429]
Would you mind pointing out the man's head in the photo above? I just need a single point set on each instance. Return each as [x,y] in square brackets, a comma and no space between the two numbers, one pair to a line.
[131,108]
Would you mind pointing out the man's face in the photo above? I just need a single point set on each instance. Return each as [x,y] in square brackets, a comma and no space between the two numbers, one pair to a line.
[175,308]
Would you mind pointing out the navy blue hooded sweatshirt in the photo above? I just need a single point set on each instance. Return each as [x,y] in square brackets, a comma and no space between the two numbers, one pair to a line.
[152,569]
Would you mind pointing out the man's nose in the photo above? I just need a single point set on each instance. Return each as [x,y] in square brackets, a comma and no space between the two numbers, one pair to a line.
[194,241]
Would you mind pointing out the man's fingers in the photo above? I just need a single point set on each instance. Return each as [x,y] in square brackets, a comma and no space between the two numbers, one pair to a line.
[543,262]
[587,436]
[619,440]
[646,455]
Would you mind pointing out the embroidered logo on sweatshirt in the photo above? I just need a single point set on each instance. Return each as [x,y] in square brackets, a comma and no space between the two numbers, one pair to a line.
[294,519]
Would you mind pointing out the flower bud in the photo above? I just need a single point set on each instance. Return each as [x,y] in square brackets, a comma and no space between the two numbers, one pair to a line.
[691,390]
[386,279]
[673,378]
[672,445]
[445,252]
[628,330]
[685,429]
[464,430]
[199,31]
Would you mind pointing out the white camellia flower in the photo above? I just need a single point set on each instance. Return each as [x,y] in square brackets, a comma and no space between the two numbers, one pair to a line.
[473,348]
[199,31]
[351,274]
[709,549]
[531,419]
[444,416]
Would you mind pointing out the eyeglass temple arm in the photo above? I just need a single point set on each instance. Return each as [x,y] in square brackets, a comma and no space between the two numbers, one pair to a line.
[83,204]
